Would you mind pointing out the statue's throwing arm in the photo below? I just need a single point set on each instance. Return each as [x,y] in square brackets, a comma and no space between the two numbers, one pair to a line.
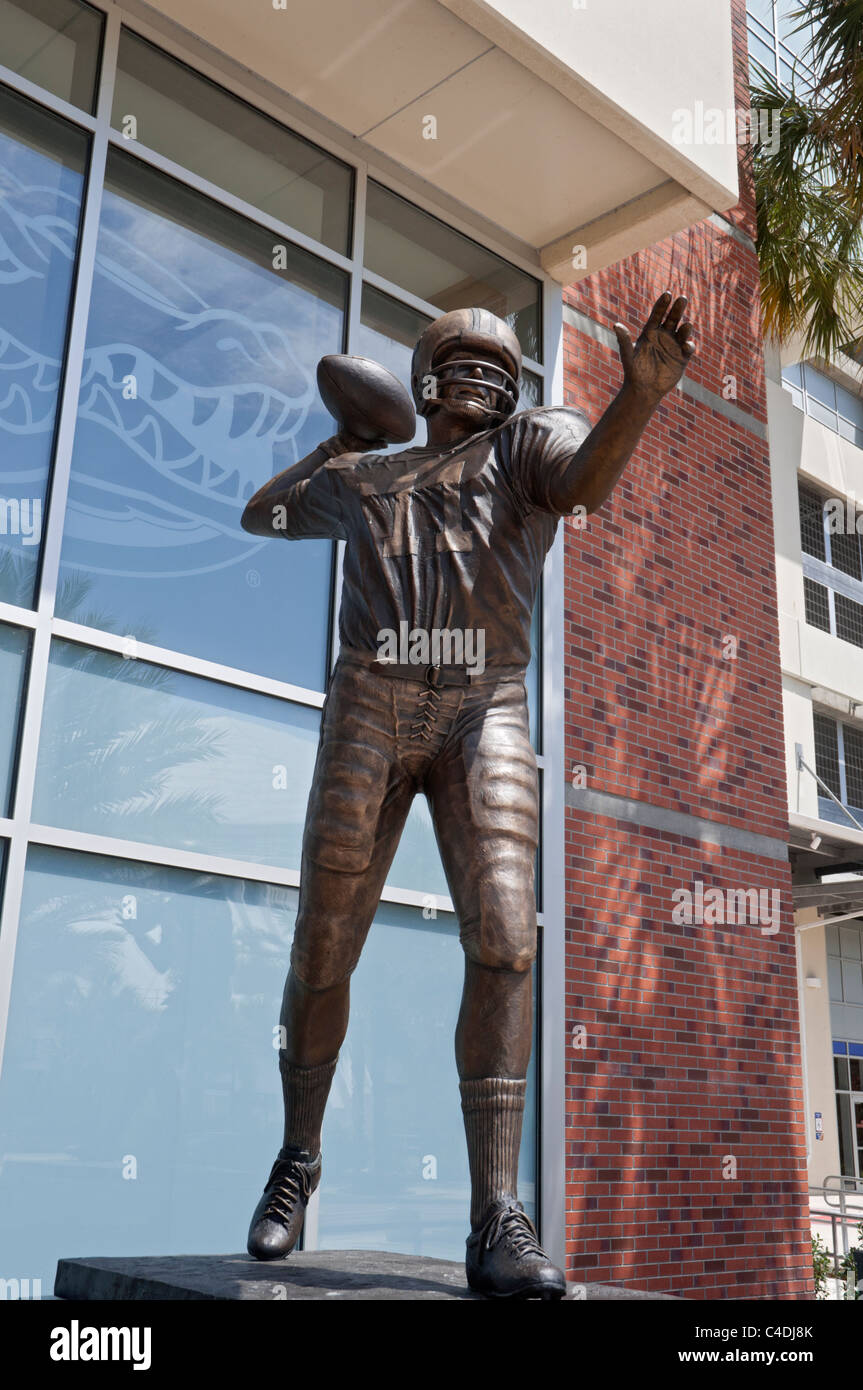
[589,477]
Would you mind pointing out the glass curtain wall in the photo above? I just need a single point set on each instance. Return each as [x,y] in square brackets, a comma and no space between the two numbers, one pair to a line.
[174,262]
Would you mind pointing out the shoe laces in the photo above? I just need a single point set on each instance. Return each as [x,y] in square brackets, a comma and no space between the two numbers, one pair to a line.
[515,1226]
[288,1182]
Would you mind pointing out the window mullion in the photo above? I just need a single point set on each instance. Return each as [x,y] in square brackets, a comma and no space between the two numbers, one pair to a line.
[840,753]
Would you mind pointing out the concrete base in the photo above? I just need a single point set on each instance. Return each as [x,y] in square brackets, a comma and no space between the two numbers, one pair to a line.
[312,1274]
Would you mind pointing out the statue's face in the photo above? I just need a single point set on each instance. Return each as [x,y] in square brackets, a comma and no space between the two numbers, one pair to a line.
[466,401]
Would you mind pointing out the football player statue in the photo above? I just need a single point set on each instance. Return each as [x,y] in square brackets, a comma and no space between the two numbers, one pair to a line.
[445,538]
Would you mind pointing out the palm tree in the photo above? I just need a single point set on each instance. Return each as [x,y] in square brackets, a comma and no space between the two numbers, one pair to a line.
[809,188]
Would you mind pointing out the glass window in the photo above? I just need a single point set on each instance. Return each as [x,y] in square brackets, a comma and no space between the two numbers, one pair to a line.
[852,982]
[854,433]
[823,414]
[763,10]
[845,555]
[792,380]
[42,162]
[794,30]
[54,43]
[417,864]
[849,405]
[846,1136]
[817,604]
[532,675]
[827,752]
[198,386]
[812,522]
[14,649]
[412,249]
[396,1160]
[849,619]
[139,752]
[853,744]
[531,390]
[760,52]
[140,1044]
[840,1069]
[819,387]
[849,942]
[171,109]
[834,973]
[139,1090]
[133,750]
[388,333]
[793,374]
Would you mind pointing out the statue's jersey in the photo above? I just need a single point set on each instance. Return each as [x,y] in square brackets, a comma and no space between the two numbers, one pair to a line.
[444,538]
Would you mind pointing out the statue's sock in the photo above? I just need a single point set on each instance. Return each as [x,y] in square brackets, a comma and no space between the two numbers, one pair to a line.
[493,1109]
[305,1091]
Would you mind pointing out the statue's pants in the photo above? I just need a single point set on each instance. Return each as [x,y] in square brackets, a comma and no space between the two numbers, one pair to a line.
[383,739]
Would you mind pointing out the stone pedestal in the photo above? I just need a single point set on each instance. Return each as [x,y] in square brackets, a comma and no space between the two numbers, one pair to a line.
[313,1274]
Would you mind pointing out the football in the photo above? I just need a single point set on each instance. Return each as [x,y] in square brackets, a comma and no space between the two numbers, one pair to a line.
[365,399]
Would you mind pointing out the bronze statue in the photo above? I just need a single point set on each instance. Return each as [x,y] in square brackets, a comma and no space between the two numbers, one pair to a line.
[448,538]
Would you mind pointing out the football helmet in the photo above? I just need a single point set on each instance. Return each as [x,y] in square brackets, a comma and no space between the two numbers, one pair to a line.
[484,341]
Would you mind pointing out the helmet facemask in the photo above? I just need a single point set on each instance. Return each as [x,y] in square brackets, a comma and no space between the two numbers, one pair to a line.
[496,383]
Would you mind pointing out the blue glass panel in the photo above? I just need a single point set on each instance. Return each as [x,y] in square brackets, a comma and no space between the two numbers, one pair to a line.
[828,810]
[820,387]
[42,163]
[14,646]
[417,864]
[760,52]
[763,10]
[143,753]
[794,29]
[198,386]
[855,1049]
[140,1092]
[396,1173]
[840,1049]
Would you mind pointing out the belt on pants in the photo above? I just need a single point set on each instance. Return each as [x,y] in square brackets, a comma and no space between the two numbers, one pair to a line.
[430,674]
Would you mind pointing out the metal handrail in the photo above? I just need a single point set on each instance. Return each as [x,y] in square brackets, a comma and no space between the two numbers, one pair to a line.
[843,1217]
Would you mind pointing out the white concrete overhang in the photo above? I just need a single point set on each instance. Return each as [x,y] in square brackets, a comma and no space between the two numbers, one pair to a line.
[835,841]
[558,123]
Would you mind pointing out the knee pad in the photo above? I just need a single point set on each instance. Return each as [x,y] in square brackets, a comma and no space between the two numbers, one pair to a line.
[321,961]
[499,946]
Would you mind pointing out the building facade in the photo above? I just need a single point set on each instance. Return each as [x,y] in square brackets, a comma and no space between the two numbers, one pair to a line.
[815,417]
[196,207]
[685,1144]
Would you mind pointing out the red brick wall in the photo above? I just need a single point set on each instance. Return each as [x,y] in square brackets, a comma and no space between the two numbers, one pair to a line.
[692,1040]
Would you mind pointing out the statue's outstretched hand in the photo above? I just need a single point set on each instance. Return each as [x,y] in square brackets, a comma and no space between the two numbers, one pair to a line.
[656,362]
